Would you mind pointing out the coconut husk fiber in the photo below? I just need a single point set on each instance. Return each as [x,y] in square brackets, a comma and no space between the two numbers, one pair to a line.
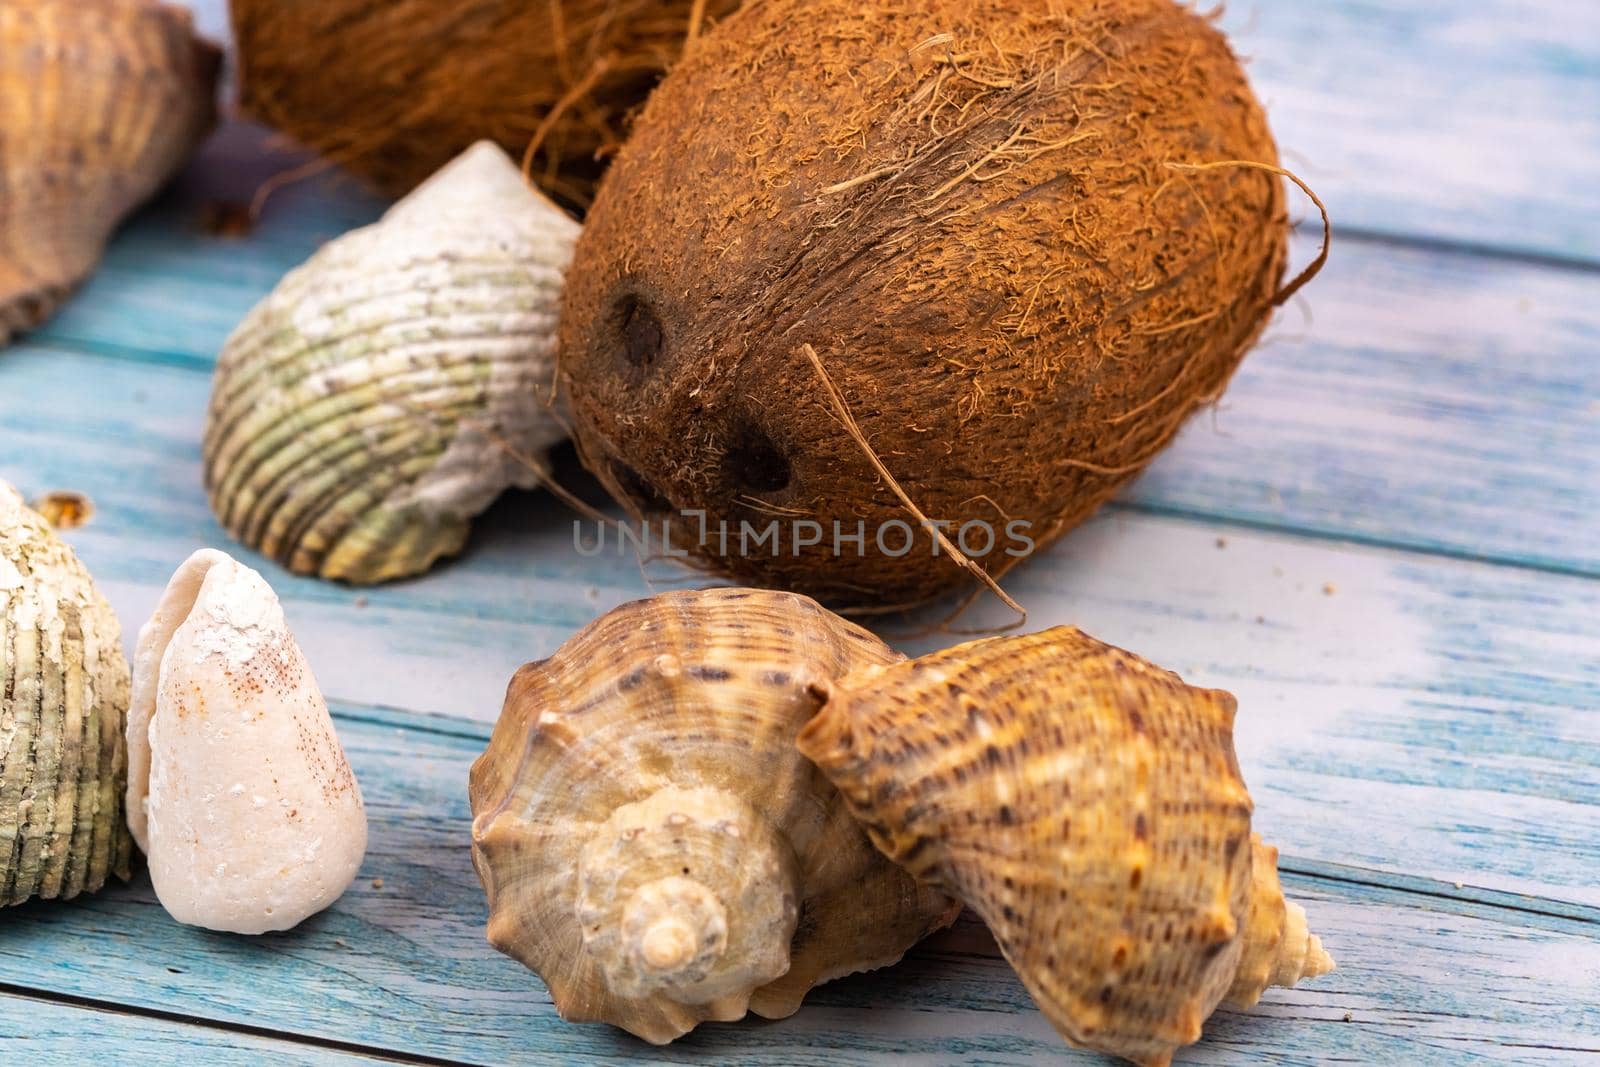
[395,89]
[996,224]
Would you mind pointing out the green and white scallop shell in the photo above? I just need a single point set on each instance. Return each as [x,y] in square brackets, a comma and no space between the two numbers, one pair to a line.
[64,691]
[393,385]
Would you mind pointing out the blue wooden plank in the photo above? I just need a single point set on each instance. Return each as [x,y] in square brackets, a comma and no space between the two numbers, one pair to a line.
[1475,123]
[1432,400]
[42,1033]
[172,286]
[1429,399]
[404,966]
[1430,696]
[1444,710]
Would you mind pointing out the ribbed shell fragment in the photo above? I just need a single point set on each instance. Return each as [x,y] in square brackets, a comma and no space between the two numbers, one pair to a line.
[395,384]
[64,689]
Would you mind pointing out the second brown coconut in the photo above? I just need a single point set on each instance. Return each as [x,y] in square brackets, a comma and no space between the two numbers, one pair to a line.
[987,221]
[395,89]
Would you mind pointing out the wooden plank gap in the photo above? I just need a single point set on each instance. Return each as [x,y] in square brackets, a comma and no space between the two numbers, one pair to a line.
[183,1018]
[1348,538]
[431,722]
[1468,899]
[149,356]
[1447,246]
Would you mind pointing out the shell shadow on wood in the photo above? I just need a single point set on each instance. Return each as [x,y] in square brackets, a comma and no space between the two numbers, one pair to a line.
[63,695]
[1089,807]
[101,101]
[652,843]
[391,387]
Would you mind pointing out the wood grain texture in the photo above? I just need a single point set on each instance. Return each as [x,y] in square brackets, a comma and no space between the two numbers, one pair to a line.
[1423,694]
[1475,123]
[1384,541]
[1433,400]
[180,277]
[41,1033]
[404,966]
[1429,399]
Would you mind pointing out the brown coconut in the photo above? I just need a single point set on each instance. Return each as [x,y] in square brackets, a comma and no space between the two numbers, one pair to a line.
[395,89]
[977,213]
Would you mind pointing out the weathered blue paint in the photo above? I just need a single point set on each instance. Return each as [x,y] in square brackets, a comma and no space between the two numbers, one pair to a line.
[40,1033]
[403,968]
[1462,712]
[1386,541]
[1432,400]
[1476,123]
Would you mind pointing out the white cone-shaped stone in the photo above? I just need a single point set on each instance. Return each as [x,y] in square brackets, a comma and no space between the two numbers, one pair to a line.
[238,790]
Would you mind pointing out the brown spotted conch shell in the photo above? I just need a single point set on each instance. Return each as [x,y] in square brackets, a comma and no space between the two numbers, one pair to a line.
[101,101]
[395,384]
[1088,806]
[239,792]
[63,695]
[652,843]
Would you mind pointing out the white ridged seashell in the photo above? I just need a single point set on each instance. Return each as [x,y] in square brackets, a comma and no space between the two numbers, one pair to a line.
[238,790]
[63,694]
[395,384]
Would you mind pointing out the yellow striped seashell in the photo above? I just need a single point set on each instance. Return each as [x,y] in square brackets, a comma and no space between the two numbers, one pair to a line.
[63,695]
[101,102]
[652,843]
[1088,806]
[392,386]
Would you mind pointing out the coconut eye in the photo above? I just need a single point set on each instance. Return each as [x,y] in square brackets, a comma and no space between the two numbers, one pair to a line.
[754,464]
[639,336]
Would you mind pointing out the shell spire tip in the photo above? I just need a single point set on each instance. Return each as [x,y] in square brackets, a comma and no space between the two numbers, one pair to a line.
[1318,960]
[1300,953]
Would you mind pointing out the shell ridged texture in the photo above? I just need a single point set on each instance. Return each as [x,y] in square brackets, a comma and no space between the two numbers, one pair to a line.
[1087,805]
[966,208]
[101,101]
[392,386]
[642,804]
[326,74]
[1279,947]
[63,693]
